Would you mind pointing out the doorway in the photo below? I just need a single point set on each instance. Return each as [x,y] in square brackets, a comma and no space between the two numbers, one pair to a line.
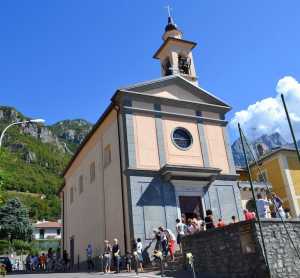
[191,206]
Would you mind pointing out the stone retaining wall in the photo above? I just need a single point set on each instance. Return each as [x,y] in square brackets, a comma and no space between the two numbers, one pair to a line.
[236,250]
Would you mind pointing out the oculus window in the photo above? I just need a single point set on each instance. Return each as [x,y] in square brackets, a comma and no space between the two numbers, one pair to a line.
[182,138]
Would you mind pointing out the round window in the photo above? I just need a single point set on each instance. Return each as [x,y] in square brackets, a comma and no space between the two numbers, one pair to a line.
[182,138]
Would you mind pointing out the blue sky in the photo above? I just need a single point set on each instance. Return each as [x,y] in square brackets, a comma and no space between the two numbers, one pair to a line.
[63,59]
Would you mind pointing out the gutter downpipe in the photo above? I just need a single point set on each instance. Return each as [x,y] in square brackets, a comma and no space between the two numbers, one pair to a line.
[117,108]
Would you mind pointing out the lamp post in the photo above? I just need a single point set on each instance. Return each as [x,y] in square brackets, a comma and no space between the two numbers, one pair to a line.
[18,123]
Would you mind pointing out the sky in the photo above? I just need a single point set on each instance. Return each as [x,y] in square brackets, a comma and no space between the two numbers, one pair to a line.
[64,59]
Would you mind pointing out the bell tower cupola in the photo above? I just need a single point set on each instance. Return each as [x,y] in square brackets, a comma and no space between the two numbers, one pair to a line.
[175,54]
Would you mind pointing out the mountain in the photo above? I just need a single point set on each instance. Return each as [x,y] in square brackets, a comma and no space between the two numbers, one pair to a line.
[33,158]
[259,146]
[71,132]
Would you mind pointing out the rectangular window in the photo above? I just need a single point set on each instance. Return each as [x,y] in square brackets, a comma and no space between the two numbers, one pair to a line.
[58,232]
[92,172]
[107,155]
[71,195]
[80,184]
[42,233]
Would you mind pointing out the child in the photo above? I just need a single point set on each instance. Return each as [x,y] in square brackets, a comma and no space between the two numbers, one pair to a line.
[2,270]
[128,260]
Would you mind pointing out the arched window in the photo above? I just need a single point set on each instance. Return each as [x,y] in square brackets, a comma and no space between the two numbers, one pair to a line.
[184,64]
[167,67]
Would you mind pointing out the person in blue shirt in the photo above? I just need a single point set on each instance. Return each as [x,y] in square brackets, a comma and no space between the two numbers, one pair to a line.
[89,255]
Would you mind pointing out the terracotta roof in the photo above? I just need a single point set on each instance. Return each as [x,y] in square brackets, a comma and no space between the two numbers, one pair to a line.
[48,224]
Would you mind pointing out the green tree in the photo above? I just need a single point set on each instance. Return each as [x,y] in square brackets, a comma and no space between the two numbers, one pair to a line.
[4,246]
[14,221]
[21,247]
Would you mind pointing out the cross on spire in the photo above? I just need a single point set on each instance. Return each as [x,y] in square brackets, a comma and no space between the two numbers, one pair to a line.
[169,10]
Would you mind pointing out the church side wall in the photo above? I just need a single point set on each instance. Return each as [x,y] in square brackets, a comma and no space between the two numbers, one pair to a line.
[96,213]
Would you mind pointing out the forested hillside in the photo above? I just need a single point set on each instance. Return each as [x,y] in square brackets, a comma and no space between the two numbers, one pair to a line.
[33,158]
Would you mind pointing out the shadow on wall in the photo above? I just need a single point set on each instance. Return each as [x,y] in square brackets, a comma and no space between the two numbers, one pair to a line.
[157,193]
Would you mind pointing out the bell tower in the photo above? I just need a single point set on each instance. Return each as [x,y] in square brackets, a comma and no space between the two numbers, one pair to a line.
[175,54]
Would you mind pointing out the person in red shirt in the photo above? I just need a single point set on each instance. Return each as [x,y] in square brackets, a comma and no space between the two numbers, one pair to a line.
[43,260]
[249,215]
[221,223]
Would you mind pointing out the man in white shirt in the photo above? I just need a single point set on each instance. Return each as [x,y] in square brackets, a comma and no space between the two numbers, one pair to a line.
[139,251]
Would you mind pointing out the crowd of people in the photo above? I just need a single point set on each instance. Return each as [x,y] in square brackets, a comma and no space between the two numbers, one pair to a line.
[166,241]
[271,207]
[112,258]
[52,261]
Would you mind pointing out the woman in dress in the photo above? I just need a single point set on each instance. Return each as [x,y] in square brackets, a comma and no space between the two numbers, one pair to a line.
[107,256]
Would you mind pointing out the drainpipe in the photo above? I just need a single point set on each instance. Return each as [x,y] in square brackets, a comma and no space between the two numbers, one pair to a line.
[117,108]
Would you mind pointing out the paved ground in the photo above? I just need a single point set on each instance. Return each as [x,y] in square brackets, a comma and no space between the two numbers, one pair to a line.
[84,275]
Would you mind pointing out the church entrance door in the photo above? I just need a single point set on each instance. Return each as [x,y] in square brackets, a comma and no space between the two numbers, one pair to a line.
[191,206]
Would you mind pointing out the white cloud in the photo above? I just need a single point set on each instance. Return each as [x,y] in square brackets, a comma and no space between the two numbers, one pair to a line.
[267,115]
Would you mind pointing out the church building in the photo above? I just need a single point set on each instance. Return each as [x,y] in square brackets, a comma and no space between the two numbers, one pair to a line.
[160,150]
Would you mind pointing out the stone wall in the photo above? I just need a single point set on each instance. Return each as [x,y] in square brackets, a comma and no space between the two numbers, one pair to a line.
[281,254]
[236,250]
